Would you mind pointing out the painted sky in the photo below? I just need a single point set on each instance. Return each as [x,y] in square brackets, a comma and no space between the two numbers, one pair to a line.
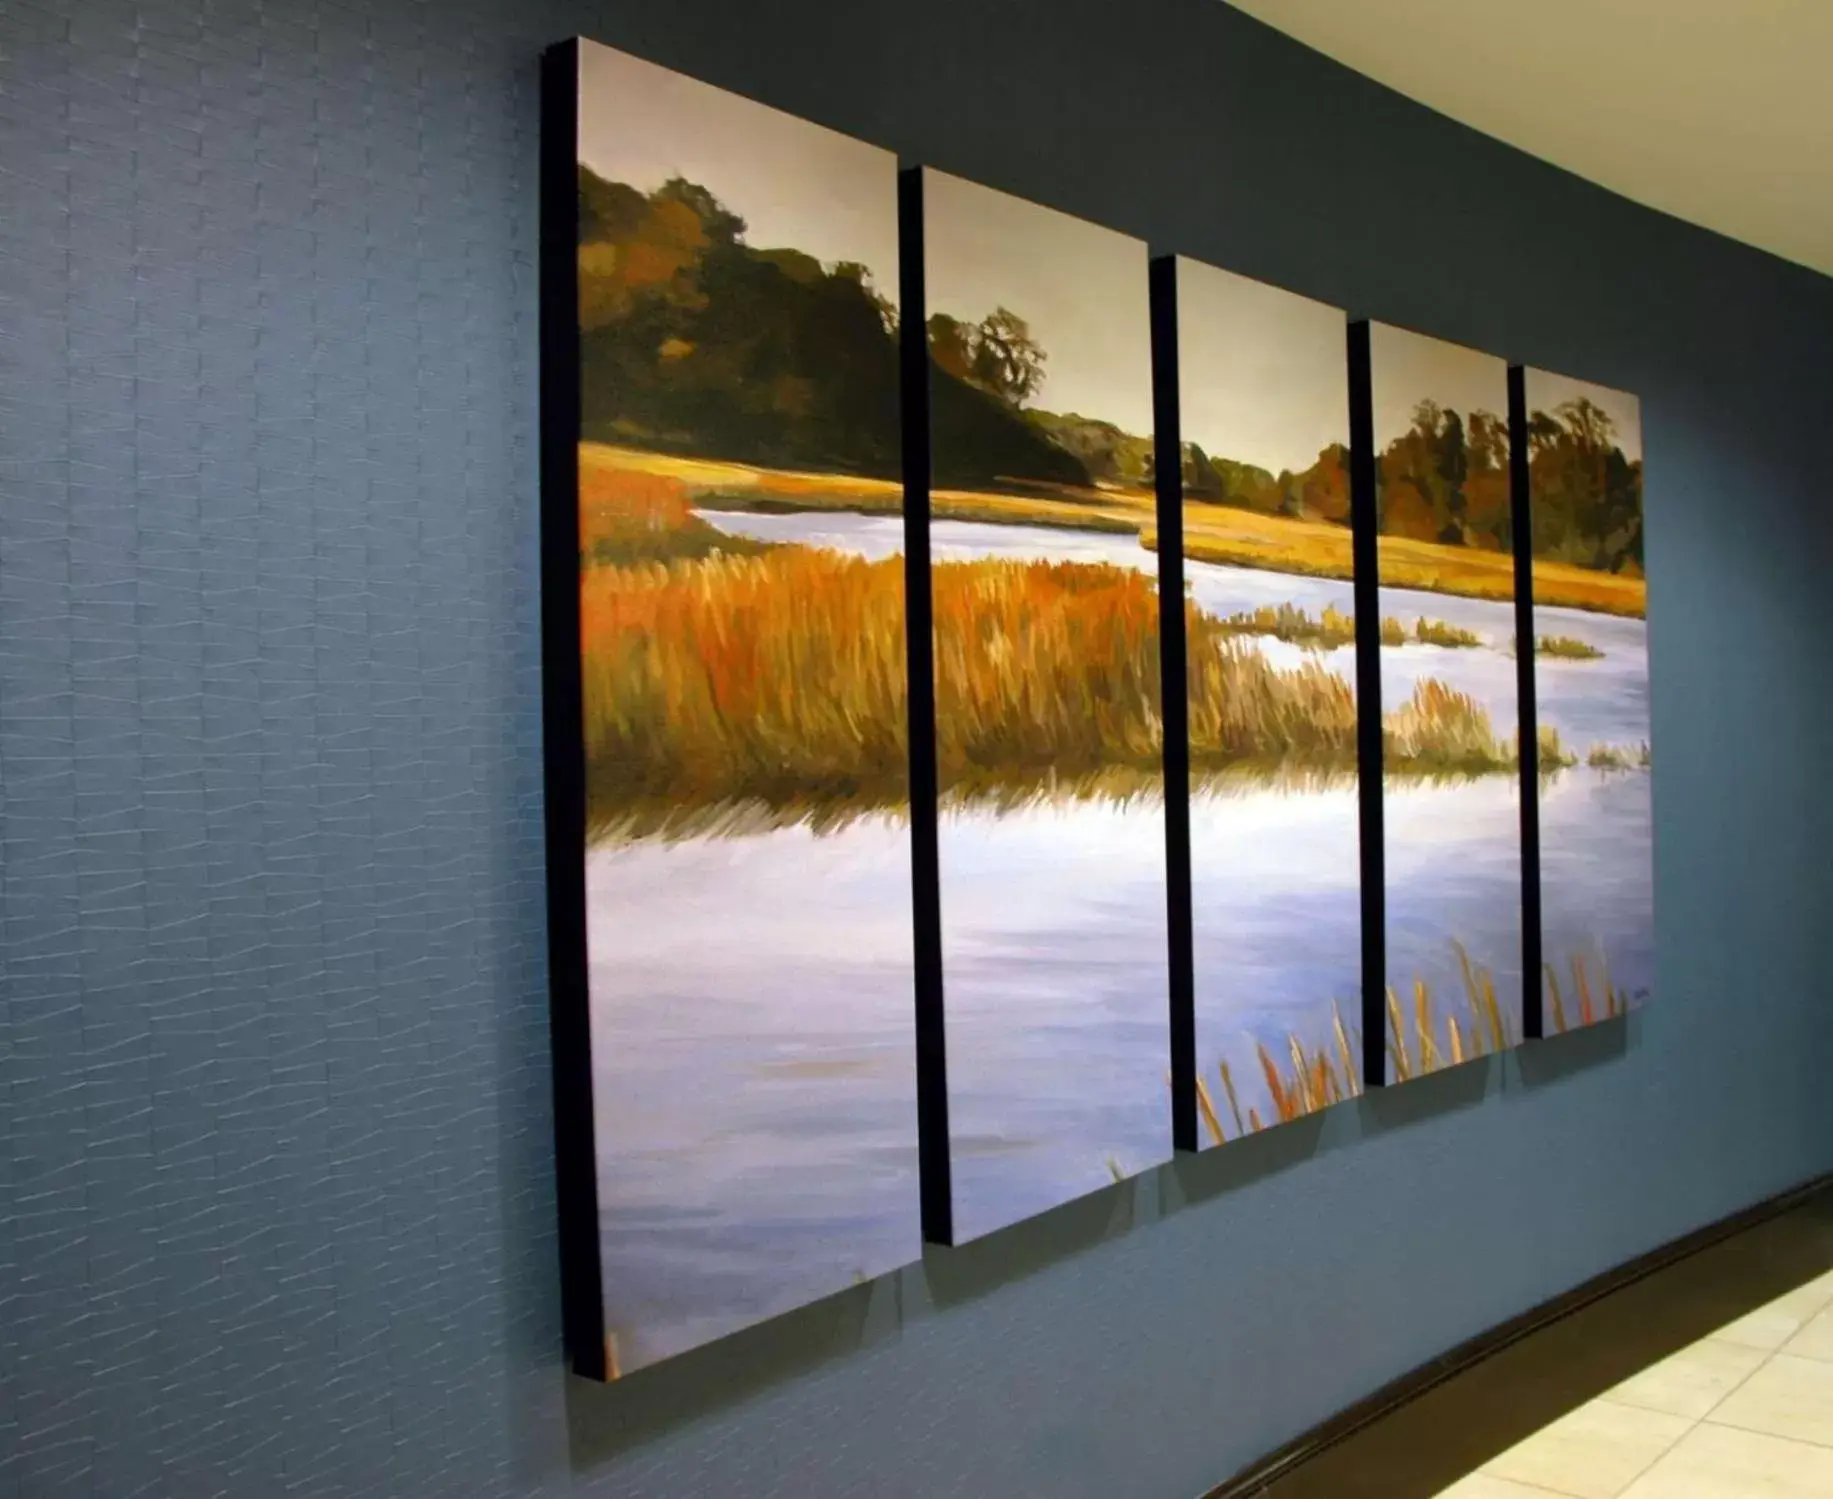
[1083,289]
[1547,392]
[796,185]
[1263,375]
[1410,368]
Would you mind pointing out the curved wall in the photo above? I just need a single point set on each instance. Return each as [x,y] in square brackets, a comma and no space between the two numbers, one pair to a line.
[278,1202]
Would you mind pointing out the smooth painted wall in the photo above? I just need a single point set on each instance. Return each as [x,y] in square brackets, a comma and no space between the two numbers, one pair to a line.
[278,1194]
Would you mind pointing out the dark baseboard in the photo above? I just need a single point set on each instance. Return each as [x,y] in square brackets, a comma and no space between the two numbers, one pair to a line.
[1282,1462]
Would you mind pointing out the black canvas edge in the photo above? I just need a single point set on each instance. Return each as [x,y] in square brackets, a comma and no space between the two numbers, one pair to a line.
[1365,565]
[1168,483]
[576,1173]
[1521,500]
[937,1194]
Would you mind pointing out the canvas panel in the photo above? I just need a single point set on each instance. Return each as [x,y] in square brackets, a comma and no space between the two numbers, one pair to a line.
[1592,699]
[1450,699]
[747,871]
[1048,741]
[1270,626]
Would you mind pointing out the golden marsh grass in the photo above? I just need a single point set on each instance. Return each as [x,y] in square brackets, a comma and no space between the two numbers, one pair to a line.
[1618,757]
[1565,648]
[1277,543]
[757,684]
[699,686]
[1333,629]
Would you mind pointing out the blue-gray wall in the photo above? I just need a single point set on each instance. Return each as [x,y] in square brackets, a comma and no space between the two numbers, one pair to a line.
[278,1201]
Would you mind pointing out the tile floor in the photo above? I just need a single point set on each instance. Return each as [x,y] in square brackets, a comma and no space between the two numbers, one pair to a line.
[1709,1379]
[1744,1413]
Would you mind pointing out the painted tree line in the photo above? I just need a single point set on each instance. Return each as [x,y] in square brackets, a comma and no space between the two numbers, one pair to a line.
[1446,480]
[695,341]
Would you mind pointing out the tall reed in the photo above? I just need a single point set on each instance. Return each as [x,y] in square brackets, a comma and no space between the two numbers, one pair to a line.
[1423,1037]
[1598,998]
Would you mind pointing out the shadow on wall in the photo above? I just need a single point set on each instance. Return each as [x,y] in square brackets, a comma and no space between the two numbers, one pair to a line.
[607,1421]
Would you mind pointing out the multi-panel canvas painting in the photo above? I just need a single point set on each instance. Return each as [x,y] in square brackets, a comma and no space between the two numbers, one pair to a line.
[1049,746]
[741,594]
[889,520]
[1263,397]
[1450,703]
[1584,449]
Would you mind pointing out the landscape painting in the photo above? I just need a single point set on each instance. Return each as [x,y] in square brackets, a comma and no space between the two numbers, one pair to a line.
[748,901]
[1049,744]
[1263,386]
[1584,445]
[1450,702]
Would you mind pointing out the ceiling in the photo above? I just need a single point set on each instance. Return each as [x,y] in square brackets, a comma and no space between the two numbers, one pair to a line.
[1718,111]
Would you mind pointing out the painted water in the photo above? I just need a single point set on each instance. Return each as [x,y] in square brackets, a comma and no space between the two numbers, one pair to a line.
[717,1081]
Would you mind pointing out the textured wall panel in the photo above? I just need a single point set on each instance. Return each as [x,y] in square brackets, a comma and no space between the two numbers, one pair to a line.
[277,1194]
